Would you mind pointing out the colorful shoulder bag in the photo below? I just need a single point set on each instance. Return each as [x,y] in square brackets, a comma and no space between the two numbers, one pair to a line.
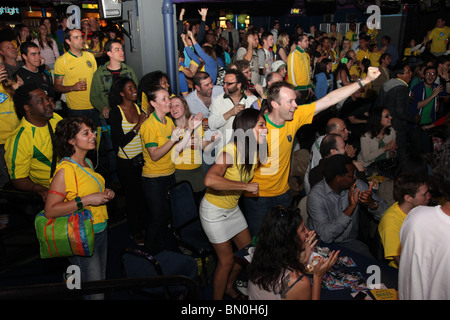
[66,236]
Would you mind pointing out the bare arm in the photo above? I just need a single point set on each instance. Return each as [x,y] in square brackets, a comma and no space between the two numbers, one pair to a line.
[59,87]
[344,92]
[56,206]
[215,177]
[25,184]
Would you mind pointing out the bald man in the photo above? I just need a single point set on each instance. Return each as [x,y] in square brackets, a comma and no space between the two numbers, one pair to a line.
[336,126]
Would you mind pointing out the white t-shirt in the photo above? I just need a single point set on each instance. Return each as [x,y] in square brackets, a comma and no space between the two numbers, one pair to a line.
[425,257]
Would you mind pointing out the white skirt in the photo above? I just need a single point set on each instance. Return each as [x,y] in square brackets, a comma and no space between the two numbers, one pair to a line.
[221,225]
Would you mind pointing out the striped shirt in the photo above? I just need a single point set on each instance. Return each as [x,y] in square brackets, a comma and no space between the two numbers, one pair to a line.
[134,147]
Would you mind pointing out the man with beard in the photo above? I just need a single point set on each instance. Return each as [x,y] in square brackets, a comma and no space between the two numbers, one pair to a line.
[199,100]
[225,107]
[425,103]
[29,149]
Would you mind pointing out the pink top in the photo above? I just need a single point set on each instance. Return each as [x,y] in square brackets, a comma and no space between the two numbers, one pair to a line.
[50,55]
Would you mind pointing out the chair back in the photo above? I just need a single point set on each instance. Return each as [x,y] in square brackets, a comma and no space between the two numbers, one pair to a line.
[140,264]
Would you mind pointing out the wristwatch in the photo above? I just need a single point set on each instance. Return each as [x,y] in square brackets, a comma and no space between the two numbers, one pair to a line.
[79,203]
[360,83]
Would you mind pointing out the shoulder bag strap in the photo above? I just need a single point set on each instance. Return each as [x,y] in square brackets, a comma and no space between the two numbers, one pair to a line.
[53,166]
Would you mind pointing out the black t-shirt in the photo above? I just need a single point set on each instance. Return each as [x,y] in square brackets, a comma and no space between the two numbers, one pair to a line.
[40,78]
[115,74]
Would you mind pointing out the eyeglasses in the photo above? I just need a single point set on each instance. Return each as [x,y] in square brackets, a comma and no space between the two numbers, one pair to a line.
[228,83]
[430,73]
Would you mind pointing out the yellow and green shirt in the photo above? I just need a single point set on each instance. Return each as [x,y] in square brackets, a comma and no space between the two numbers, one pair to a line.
[8,116]
[273,176]
[29,151]
[79,183]
[190,158]
[72,68]
[299,69]
[154,133]
[389,230]
[229,199]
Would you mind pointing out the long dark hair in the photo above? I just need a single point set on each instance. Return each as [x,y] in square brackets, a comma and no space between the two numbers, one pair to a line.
[66,130]
[278,249]
[322,67]
[245,120]
[48,40]
[374,123]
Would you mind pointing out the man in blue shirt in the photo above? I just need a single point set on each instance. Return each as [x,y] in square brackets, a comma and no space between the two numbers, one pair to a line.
[335,202]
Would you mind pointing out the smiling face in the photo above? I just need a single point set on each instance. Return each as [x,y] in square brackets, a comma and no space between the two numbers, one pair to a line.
[429,76]
[129,91]
[8,50]
[177,109]
[286,105]
[260,131]
[162,102]
[164,82]
[231,85]
[386,118]
[85,139]
[206,87]
[302,232]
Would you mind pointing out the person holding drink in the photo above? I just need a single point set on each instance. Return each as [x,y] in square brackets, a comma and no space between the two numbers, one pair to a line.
[73,76]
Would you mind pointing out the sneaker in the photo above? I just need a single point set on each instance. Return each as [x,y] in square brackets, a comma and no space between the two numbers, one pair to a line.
[242,287]
[138,239]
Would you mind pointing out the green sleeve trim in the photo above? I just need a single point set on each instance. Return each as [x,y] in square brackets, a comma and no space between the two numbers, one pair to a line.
[151,144]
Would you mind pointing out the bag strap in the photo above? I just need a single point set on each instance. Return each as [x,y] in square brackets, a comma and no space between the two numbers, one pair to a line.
[101,189]
[53,166]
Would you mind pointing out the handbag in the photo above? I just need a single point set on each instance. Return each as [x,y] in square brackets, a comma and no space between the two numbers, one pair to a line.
[138,161]
[66,236]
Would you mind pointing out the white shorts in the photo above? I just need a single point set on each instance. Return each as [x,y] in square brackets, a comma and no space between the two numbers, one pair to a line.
[221,225]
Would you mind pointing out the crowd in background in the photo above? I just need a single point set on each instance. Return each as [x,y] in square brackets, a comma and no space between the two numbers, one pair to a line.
[82,75]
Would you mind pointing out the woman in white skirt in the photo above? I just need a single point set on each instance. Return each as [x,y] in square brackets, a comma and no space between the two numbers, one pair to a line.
[220,215]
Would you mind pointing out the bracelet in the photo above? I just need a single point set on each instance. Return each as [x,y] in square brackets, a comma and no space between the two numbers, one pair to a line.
[360,83]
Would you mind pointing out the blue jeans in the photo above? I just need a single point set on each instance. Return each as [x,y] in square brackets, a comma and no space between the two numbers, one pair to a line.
[256,209]
[93,268]
[156,196]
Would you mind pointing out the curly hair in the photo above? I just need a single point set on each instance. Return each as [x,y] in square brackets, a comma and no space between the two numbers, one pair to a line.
[441,168]
[277,250]
[66,130]
[114,97]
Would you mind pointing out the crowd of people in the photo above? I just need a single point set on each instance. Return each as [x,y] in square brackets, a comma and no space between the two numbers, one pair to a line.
[371,119]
